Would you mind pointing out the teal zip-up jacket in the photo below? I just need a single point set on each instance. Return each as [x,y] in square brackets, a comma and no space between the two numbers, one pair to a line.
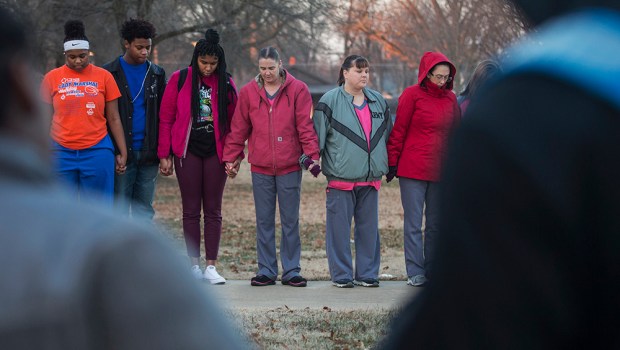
[343,146]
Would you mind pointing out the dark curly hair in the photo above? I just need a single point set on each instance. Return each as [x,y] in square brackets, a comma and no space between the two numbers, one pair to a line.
[74,30]
[210,45]
[137,28]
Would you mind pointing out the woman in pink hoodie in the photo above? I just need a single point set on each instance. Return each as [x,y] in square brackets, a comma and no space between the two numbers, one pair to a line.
[274,114]
[425,115]
[195,114]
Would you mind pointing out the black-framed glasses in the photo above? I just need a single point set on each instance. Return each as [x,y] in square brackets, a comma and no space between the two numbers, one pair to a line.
[440,77]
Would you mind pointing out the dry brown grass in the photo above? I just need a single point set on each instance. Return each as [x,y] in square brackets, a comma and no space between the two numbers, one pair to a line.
[284,328]
[237,258]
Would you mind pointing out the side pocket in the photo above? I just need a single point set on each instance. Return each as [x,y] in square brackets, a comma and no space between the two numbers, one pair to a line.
[332,198]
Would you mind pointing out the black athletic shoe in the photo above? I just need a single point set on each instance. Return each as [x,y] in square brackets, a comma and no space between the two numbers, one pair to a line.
[296,281]
[262,280]
[343,284]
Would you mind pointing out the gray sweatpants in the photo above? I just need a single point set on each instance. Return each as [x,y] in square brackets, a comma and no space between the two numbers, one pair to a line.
[414,195]
[362,204]
[287,190]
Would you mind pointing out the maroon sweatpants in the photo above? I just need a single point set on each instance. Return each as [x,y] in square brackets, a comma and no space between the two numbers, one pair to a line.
[201,181]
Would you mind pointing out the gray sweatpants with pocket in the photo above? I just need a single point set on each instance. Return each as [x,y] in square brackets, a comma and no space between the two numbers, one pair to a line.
[420,201]
[361,204]
[287,190]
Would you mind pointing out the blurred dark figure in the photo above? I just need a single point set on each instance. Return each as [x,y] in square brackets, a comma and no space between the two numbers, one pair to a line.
[484,72]
[528,255]
[74,275]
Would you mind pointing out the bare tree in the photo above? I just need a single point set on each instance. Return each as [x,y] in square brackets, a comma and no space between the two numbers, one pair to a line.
[358,20]
[467,31]
[393,34]
[244,25]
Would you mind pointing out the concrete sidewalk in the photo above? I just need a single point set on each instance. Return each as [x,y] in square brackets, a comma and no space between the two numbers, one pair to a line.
[239,294]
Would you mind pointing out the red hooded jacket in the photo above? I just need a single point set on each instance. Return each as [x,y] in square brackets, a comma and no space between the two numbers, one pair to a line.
[424,118]
[277,134]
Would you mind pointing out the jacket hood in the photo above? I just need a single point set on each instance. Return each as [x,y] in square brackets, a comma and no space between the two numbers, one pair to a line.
[538,11]
[430,60]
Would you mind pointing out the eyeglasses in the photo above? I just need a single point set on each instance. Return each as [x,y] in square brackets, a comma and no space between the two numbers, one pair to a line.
[440,77]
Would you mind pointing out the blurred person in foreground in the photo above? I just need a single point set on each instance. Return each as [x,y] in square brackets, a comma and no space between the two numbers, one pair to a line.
[75,275]
[528,252]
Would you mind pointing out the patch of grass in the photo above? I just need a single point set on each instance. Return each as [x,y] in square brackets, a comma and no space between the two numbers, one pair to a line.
[392,238]
[285,328]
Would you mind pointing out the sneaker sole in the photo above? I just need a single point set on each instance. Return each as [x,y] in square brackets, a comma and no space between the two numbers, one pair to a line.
[293,284]
[343,285]
[259,284]
[416,284]
[216,281]
[364,284]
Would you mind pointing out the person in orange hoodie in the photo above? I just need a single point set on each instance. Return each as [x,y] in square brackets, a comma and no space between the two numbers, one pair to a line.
[274,112]
[425,115]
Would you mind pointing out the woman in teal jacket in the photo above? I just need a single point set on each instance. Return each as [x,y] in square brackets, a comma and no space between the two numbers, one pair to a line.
[353,124]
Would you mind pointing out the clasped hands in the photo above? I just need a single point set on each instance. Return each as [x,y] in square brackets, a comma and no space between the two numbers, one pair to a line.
[232,168]
[166,166]
[121,164]
[313,166]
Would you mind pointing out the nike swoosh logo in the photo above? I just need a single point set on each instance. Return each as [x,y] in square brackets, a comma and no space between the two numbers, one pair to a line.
[74,44]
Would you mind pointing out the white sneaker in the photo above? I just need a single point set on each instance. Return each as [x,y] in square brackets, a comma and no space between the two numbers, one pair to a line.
[197,272]
[212,276]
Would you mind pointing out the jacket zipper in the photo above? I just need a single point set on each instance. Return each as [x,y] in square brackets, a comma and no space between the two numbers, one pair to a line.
[189,130]
[368,141]
[273,143]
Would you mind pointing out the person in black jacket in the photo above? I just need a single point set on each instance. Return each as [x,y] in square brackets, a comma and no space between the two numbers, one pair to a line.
[528,249]
[142,85]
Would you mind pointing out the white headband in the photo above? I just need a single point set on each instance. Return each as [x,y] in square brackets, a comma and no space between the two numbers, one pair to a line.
[76,45]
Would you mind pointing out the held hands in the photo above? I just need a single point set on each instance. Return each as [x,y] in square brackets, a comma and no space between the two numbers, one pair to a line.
[390,174]
[313,166]
[166,166]
[121,164]
[232,168]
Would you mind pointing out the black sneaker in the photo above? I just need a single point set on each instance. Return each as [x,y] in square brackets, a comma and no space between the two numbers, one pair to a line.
[296,281]
[343,284]
[371,282]
[262,280]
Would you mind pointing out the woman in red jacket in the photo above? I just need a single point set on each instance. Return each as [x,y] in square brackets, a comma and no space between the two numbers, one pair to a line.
[425,115]
[274,112]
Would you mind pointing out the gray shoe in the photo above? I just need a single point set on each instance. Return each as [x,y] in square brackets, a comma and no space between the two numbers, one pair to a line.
[367,283]
[416,281]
